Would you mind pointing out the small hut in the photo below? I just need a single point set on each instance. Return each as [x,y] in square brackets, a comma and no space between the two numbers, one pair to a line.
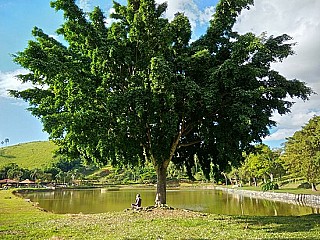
[27,182]
[8,182]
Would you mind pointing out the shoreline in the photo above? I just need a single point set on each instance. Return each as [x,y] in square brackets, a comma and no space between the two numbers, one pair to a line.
[308,200]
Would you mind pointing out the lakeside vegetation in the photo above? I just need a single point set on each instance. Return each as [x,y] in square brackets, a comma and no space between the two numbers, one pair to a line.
[22,220]
[36,161]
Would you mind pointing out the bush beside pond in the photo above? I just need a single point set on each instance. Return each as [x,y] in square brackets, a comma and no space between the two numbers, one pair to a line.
[305,185]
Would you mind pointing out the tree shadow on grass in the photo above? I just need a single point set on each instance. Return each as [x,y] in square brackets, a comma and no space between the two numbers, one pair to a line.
[6,156]
[282,224]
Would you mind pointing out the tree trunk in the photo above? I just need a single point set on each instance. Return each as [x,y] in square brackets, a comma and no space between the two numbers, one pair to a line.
[271,177]
[255,182]
[225,178]
[230,180]
[161,170]
[313,186]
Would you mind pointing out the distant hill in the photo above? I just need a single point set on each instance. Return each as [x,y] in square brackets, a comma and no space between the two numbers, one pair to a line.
[28,155]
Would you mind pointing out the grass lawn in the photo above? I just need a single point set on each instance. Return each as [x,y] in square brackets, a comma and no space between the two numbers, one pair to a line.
[20,219]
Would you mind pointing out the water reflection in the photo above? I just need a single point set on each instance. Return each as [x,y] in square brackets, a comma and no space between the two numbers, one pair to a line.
[210,201]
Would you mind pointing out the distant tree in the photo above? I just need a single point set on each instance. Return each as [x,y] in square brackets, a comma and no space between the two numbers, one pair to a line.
[269,162]
[4,170]
[261,163]
[65,170]
[13,171]
[234,176]
[37,174]
[62,177]
[302,152]
[66,165]
[250,168]
[137,91]
[50,173]
[6,141]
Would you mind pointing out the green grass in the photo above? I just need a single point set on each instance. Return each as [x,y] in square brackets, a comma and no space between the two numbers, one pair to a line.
[28,155]
[22,220]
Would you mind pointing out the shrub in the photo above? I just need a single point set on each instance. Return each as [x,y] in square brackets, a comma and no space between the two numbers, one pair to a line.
[305,185]
[269,186]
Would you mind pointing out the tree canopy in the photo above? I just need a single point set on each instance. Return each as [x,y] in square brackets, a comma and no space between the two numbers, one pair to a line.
[136,90]
[302,152]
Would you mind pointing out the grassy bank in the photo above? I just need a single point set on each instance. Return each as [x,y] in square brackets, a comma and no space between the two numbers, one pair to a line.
[20,219]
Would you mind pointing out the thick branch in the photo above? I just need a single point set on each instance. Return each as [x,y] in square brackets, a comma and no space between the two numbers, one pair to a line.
[174,146]
[186,130]
[188,144]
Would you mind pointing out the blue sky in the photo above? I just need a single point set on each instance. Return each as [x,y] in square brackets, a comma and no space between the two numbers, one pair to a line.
[297,18]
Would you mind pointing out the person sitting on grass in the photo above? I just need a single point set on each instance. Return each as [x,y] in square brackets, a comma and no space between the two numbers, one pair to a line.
[157,200]
[137,204]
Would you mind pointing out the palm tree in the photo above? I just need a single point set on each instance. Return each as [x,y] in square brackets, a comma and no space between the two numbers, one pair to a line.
[6,141]
[36,173]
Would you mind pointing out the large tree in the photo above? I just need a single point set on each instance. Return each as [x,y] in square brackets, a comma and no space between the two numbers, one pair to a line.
[302,152]
[137,91]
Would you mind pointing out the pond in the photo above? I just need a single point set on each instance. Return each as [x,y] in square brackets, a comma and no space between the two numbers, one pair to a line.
[203,200]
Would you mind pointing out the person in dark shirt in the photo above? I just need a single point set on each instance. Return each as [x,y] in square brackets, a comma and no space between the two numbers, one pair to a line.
[137,204]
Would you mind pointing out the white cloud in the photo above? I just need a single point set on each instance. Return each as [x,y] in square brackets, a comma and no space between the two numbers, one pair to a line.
[56,37]
[300,20]
[108,20]
[280,134]
[196,16]
[206,15]
[8,81]
[85,5]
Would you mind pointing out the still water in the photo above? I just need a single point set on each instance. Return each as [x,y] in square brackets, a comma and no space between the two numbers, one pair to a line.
[209,201]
